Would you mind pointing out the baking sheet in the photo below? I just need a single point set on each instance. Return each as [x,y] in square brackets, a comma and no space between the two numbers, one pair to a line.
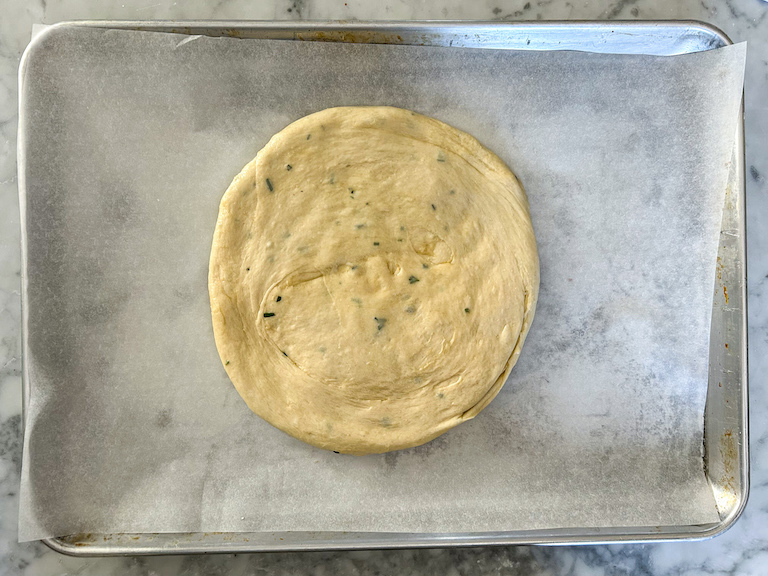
[131,423]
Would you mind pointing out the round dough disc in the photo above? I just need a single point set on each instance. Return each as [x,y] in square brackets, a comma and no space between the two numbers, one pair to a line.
[372,279]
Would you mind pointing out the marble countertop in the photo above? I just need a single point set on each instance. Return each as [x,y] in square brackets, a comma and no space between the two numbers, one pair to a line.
[743,550]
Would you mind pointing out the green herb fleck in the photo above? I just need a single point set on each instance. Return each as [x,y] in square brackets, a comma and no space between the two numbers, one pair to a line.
[322,349]
[452,192]
[226,363]
[440,157]
[375,243]
[440,395]
[288,167]
[425,266]
[268,314]
[433,207]
[269,185]
[357,301]
[413,279]
[386,422]
[278,299]
[380,322]
[410,310]
[466,310]
[399,239]
[309,136]
[284,354]
[354,267]
[333,179]
[402,228]
[359,226]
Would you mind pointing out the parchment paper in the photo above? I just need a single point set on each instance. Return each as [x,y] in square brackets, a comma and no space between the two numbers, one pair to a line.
[132,425]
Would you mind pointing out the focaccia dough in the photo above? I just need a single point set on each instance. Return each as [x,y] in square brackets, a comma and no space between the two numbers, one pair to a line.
[372,279]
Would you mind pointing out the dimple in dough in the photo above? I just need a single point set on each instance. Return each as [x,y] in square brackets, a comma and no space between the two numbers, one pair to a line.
[372,279]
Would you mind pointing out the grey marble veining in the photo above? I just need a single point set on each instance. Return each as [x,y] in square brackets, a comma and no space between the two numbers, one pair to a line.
[743,550]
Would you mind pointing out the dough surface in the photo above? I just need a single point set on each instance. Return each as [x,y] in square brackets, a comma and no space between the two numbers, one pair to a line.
[372,279]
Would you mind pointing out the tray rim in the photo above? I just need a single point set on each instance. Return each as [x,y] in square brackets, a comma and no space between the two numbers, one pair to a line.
[86,545]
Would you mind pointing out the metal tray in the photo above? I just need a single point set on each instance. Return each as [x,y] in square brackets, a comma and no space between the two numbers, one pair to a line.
[726,444]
